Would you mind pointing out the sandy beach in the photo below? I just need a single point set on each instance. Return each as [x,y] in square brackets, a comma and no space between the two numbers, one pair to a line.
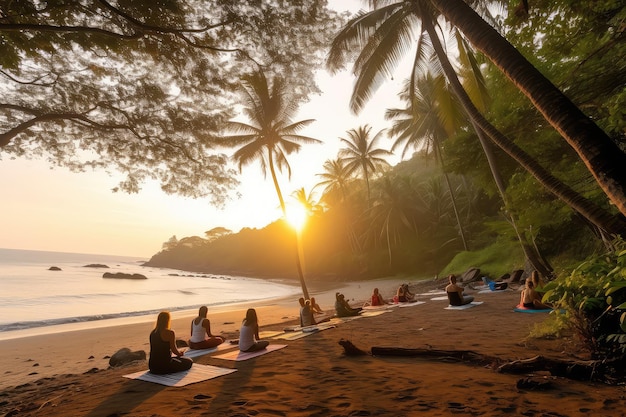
[67,374]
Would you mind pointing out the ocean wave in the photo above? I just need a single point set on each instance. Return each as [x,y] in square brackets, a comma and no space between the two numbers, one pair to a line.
[22,325]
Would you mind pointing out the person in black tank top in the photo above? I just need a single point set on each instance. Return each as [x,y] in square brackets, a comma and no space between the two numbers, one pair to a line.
[162,345]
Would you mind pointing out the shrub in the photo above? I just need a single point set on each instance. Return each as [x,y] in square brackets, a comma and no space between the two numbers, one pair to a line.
[594,299]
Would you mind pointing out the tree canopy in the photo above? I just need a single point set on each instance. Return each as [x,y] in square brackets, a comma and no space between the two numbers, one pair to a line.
[143,87]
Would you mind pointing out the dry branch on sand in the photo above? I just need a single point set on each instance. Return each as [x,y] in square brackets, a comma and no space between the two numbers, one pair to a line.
[593,370]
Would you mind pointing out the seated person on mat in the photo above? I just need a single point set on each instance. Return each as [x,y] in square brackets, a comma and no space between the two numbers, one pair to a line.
[529,298]
[375,300]
[306,315]
[249,333]
[316,307]
[201,327]
[494,285]
[162,345]
[342,308]
[455,293]
[537,283]
[403,294]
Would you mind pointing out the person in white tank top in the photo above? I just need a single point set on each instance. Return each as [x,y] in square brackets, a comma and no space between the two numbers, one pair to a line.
[201,337]
[249,333]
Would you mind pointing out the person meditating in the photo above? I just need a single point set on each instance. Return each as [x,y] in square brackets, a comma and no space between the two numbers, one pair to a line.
[162,345]
[306,314]
[249,333]
[455,293]
[376,299]
[342,308]
[201,337]
[529,298]
[403,294]
[316,307]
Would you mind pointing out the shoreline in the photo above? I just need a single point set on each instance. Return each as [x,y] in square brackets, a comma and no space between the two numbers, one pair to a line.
[76,348]
[312,376]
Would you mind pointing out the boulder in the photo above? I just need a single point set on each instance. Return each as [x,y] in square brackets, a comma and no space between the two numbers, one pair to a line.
[471,275]
[95,266]
[122,275]
[54,268]
[125,355]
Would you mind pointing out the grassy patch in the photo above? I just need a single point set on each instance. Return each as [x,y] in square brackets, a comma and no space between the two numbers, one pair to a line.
[494,260]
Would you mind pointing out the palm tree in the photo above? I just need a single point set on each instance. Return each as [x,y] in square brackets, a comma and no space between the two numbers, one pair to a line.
[361,154]
[423,125]
[270,136]
[393,210]
[307,200]
[335,178]
[384,35]
[604,159]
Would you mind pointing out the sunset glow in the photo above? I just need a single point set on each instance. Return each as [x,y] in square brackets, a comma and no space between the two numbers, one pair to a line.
[297,216]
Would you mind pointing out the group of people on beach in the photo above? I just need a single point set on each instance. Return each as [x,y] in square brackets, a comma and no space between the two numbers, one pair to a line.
[166,357]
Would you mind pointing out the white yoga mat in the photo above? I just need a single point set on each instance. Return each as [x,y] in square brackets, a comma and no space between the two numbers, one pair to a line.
[237,355]
[194,353]
[305,331]
[444,298]
[464,306]
[197,373]
[268,334]
[371,313]
[434,292]
[415,303]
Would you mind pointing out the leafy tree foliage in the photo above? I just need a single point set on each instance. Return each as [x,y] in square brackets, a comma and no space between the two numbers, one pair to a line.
[143,87]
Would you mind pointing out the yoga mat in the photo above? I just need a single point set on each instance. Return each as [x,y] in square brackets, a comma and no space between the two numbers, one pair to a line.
[465,306]
[494,291]
[429,293]
[197,373]
[237,355]
[415,303]
[378,308]
[268,334]
[444,298]
[373,313]
[305,332]
[194,353]
[522,309]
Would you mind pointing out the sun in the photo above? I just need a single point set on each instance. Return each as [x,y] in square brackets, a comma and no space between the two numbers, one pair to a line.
[297,216]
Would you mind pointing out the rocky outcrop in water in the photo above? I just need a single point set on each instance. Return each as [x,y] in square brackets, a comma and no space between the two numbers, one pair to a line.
[122,275]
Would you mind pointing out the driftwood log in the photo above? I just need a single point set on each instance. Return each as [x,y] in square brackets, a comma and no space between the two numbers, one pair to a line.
[607,371]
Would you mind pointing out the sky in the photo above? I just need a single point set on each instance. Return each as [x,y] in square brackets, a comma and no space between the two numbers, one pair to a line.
[56,210]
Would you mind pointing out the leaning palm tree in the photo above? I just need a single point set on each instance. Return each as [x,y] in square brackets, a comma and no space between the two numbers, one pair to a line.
[269,136]
[361,154]
[386,33]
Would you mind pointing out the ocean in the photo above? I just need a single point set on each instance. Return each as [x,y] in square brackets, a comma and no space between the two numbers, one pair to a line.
[35,299]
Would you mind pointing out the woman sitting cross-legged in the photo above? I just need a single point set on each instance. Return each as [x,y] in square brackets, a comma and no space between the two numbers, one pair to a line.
[343,309]
[529,298]
[249,333]
[201,337]
[455,293]
[162,345]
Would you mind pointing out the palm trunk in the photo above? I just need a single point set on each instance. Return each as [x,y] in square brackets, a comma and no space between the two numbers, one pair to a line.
[533,256]
[593,213]
[600,154]
[305,291]
[452,198]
